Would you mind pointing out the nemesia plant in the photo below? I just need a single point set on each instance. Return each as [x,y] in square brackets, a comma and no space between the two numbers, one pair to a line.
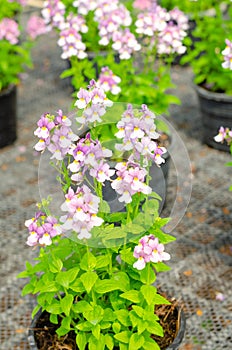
[15,42]
[136,42]
[206,52]
[96,265]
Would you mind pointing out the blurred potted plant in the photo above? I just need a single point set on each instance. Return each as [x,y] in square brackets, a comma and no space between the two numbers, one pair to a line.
[212,78]
[96,268]
[137,44]
[15,47]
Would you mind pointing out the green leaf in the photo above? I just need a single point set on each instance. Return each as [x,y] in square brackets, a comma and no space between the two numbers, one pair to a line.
[96,331]
[82,306]
[116,326]
[123,337]
[105,286]
[149,293]
[53,319]
[138,310]
[64,278]
[55,265]
[54,308]
[48,287]
[81,340]
[88,262]
[27,289]
[66,303]
[109,315]
[89,279]
[161,267]
[65,327]
[96,344]
[127,256]
[136,341]
[104,207]
[132,295]
[123,280]
[77,286]
[151,345]
[95,315]
[109,342]
[123,317]
[159,300]
[155,328]
[102,261]
[147,275]
[35,310]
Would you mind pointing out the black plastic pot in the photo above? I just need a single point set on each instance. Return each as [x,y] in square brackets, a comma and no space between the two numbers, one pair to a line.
[216,111]
[8,116]
[174,346]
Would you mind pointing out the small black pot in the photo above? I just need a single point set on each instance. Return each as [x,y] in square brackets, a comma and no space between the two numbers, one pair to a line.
[8,116]
[174,346]
[216,111]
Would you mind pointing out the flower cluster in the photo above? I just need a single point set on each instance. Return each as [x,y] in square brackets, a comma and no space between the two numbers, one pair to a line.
[224,134]
[108,81]
[9,30]
[71,42]
[130,180]
[87,158]
[138,133]
[94,101]
[149,249]
[42,229]
[111,17]
[125,43]
[53,13]
[82,207]
[55,134]
[227,53]
[89,155]
[168,29]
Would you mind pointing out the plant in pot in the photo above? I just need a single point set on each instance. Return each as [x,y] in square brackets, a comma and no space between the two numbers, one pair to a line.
[212,81]
[137,44]
[16,41]
[98,257]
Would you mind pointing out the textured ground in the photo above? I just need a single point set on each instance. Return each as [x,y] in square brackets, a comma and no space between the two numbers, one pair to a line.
[201,259]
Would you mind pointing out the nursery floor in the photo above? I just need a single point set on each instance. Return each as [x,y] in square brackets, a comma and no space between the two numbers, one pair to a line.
[201,256]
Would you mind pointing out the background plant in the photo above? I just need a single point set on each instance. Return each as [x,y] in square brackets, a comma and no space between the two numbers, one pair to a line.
[96,269]
[16,41]
[107,35]
[205,51]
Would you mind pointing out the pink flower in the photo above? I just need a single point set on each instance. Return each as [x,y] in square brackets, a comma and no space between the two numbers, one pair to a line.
[125,43]
[227,53]
[108,81]
[9,30]
[149,250]
[143,4]
[36,26]
[72,45]
[53,13]
[224,134]
[81,207]
[130,180]
[42,229]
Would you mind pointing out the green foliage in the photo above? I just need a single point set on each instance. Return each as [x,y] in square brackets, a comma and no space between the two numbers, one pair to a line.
[204,50]
[104,306]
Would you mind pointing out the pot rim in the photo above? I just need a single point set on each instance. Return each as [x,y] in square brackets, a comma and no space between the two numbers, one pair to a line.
[212,95]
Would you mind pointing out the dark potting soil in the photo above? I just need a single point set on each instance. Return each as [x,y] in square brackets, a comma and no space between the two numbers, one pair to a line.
[47,339]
